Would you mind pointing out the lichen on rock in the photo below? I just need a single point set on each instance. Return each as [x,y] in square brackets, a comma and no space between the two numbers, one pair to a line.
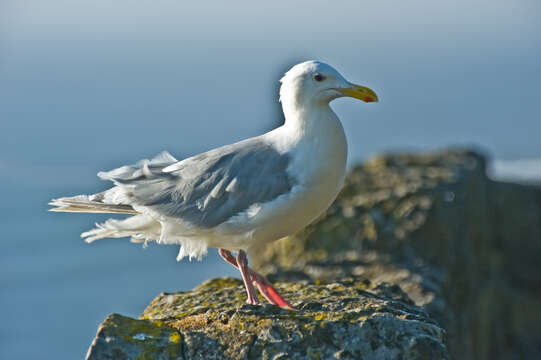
[347,319]
[121,337]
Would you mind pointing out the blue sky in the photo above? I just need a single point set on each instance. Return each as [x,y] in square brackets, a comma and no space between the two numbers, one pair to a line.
[80,80]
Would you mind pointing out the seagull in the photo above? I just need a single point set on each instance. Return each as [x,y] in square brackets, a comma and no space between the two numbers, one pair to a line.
[237,197]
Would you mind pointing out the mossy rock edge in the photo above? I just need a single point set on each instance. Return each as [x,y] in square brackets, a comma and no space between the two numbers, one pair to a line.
[347,319]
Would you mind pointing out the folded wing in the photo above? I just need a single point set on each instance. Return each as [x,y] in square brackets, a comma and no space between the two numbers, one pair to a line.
[207,189]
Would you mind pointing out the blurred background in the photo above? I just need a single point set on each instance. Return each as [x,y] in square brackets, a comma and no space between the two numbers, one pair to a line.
[92,85]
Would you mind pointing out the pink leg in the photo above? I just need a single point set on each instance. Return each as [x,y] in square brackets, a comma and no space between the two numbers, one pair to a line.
[227,256]
[242,262]
[263,285]
[268,291]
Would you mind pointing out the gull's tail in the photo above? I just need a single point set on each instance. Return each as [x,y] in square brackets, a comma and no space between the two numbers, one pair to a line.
[88,204]
[140,228]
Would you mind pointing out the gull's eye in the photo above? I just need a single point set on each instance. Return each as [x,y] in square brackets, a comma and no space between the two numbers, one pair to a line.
[319,77]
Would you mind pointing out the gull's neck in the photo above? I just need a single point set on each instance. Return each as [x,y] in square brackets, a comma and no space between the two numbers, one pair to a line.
[314,137]
[310,120]
[311,129]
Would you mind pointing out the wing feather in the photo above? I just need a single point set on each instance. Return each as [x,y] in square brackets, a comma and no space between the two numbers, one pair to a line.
[207,189]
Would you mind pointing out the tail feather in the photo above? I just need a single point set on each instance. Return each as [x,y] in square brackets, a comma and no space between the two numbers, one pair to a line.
[86,204]
[140,228]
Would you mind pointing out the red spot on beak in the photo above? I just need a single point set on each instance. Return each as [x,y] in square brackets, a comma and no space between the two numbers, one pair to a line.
[368,99]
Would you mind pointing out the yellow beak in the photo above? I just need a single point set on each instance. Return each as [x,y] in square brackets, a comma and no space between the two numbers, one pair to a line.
[359,92]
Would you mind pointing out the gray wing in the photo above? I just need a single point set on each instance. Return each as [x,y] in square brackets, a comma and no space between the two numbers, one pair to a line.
[209,188]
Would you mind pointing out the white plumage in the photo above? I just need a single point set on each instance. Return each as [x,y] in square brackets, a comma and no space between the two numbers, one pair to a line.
[241,196]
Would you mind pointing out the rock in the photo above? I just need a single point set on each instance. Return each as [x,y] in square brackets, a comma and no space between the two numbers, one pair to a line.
[420,256]
[346,319]
[121,337]
[463,247]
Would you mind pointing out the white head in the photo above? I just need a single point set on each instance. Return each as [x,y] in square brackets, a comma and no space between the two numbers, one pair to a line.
[314,83]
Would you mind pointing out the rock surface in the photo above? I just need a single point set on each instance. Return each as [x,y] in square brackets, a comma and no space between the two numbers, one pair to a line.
[349,319]
[419,257]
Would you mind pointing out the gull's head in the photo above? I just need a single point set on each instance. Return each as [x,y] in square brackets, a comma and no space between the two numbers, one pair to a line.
[317,83]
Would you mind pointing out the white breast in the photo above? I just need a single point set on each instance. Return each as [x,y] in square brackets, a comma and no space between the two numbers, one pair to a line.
[318,163]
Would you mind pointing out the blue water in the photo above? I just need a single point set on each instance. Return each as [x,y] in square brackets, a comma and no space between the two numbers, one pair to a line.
[91,85]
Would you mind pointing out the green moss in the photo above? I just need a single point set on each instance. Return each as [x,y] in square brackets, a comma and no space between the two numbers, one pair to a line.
[150,337]
[219,283]
[175,337]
